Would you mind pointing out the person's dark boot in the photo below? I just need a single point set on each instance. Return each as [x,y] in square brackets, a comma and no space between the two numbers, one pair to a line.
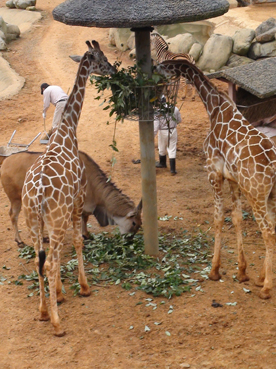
[162,162]
[172,166]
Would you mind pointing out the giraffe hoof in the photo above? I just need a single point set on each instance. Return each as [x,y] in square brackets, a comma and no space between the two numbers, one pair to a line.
[59,333]
[20,244]
[265,295]
[85,292]
[243,278]
[60,299]
[213,276]
[44,317]
[259,283]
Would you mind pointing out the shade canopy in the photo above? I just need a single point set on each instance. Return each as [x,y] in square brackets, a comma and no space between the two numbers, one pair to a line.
[136,13]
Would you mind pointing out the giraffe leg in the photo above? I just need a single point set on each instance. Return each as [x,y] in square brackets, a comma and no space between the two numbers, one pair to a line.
[216,181]
[60,297]
[269,239]
[51,265]
[193,92]
[78,243]
[237,221]
[85,232]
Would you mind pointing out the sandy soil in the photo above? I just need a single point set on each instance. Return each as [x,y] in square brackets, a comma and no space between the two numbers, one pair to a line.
[98,334]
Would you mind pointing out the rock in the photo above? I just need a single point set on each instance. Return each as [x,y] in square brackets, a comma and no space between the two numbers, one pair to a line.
[13,32]
[10,4]
[31,8]
[265,26]
[3,26]
[267,36]
[258,50]
[181,43]
[237,60]
[119,37]
[24,4]
[196,51]
[242,41]
[216,52]
[3,45]
[200,30]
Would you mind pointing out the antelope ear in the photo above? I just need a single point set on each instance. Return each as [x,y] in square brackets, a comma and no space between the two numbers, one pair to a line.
[140,206]
[131,214]
[96,45]
[76,58]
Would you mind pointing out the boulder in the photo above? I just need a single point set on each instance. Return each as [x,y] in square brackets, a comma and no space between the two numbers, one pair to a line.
[258,50]
[3,45]
[200,30]
[131,41]
[265,26]
[242,41]
[216,53]
[181,43]
[3,26]
[13,32]
[238,60]
[10,4]
[24,4]
[267,36]
[196,51]
[118,37]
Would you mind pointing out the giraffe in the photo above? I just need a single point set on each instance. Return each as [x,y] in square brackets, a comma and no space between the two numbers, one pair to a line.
[54,189]
[162,53]
[240,153]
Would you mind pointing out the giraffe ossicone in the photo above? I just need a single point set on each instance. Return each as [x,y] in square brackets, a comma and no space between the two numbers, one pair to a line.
[240,153]
[54,190]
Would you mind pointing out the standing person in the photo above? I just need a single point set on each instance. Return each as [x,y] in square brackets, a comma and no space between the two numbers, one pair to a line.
[56,96]
[166,126]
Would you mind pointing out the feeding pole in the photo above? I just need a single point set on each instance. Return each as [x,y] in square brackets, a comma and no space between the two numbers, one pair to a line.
[148,171]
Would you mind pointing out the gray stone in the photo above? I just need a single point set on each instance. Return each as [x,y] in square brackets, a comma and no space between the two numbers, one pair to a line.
[238,60]
[119,37]
[267,36]
[23,4]
[3,45]
[258,50]
[13,32]
[3,26]
[131,41]
[242,41]
[265,26]
[10,4]
[196,51]
[201,30]
[181,43]
[216,52]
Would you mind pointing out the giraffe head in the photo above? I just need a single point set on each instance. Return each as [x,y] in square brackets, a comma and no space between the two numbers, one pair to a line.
[98,63]
[173,68]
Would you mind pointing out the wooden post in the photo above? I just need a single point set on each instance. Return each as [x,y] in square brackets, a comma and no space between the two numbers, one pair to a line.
[148,170]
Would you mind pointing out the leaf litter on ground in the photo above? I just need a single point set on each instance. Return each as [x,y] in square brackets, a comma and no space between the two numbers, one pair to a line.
[111,258]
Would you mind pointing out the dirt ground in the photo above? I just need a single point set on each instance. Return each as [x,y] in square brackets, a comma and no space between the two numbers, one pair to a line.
[97,328]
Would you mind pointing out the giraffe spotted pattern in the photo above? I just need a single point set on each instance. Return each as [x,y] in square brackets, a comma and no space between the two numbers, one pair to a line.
[54,190]
[240,153]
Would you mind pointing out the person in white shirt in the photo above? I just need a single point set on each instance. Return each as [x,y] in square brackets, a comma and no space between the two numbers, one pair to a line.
[166,126]
[56,96]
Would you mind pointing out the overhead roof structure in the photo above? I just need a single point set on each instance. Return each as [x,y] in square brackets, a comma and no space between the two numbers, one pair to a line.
[136,13]
[140,16]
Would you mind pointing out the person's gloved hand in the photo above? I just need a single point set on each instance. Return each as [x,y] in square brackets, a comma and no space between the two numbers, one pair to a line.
[44,115]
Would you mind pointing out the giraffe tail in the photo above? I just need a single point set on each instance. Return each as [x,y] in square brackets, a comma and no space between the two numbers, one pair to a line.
[41,258]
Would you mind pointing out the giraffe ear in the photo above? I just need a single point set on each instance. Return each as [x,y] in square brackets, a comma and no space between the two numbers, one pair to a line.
[76,58]
[96,45]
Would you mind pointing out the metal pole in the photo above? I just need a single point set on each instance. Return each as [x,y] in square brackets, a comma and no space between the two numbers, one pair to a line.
[148,171]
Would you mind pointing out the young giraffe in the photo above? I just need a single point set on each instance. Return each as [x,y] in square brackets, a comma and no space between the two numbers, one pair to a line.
[238,152]
[54,188]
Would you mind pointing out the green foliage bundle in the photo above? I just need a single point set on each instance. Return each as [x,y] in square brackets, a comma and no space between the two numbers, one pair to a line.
[126,87]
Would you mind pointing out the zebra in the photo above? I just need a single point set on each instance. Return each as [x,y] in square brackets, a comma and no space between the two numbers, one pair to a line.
[162,53]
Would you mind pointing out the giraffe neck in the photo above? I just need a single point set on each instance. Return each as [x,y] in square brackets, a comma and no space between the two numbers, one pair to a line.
[209,94]
[74,104]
